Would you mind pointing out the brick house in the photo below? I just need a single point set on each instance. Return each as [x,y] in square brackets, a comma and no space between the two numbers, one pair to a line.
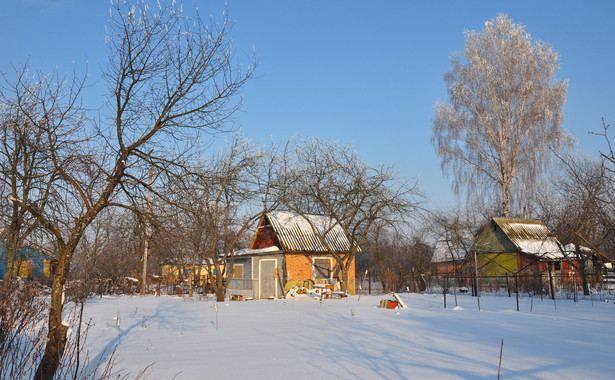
[285,252]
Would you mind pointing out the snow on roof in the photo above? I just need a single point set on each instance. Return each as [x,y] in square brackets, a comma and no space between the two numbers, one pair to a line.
[531,236]
[248,251]
[569,252]
[569,248]
[296,232]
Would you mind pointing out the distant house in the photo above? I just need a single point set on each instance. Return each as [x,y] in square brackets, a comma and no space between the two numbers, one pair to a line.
[285,252]
[523,247]
[509,246]
[29,263]
[173,272]
[449,256]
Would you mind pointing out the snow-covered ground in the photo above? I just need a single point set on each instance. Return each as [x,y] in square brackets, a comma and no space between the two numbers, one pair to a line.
[354,339]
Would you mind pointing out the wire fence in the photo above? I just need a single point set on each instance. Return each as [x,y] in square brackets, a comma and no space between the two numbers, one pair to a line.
[539,284]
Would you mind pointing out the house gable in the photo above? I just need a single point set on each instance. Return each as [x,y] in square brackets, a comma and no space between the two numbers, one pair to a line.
[493,239]
[264,236]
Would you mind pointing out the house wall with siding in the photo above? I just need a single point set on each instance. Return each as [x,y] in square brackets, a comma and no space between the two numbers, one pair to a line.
[28,264]
[249,286]
[493,240]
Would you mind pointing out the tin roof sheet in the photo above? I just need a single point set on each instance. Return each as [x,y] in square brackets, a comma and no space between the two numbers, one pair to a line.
[297,233]
[531,236]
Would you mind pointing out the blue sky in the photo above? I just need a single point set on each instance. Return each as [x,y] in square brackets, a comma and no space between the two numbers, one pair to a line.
[359,72]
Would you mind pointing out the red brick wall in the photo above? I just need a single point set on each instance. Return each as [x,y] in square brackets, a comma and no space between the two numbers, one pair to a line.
[298,267]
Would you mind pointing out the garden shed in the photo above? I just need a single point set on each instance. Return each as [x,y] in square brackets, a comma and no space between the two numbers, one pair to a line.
[285,252]
[509,246]
[29,263]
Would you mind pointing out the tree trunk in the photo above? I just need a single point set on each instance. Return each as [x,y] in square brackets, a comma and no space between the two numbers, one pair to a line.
[53,354]
[582,269]
[344,272]
[56,342]
[381,276]
[220,293]
[11,253]
[12,247]
[505,200]
[146,240]
[190,283]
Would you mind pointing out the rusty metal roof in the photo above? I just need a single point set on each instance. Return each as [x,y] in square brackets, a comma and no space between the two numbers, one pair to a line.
[530,236]
[296,232]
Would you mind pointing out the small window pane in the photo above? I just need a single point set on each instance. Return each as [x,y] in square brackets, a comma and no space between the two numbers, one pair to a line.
[321,269]
[238,268]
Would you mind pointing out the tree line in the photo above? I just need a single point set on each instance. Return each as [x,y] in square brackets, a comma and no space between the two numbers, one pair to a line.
[143,180]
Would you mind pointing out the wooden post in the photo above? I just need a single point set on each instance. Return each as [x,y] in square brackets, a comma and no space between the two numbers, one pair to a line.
[551,283]
[540,280]
[444,290]
[455,293]
[500,365]
[507,285]
[517,289]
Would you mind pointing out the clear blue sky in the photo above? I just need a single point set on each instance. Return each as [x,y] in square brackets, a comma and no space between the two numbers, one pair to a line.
[361,72]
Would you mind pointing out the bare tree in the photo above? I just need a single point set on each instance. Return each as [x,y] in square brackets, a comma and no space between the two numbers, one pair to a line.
[502,121]
[583,218]
[454,232]
[169,77]
[320,177]
[28,104]
[224,198]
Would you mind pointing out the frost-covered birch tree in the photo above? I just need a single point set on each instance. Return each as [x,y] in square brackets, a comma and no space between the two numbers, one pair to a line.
[502,120]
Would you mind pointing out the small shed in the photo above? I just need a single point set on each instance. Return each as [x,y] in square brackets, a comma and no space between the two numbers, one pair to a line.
[29,263]
[286,252]
[510,246]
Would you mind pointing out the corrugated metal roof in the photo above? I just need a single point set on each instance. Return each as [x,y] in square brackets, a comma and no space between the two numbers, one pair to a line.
[296,233]
[531,236]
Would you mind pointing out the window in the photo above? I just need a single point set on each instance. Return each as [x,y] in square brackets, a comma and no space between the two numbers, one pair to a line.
[238,271]
[22,268]
[322,269]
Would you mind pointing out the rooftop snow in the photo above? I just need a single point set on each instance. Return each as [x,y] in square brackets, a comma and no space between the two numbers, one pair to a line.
[298,233]
[531,236]
[248,251]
